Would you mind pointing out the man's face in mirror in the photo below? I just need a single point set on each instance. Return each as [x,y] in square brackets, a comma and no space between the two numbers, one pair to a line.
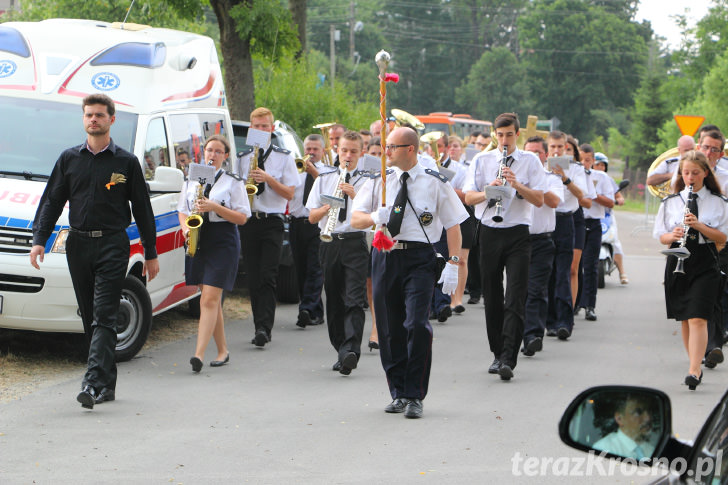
[636,419]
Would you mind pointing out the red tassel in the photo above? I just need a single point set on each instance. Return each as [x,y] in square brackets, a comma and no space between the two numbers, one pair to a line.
[382,241]
[390,77]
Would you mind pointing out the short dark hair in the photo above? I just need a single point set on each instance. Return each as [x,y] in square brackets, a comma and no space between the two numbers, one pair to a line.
[705,128]
[353,136]
[714,134]
[99,99]
[557,135]
[538,139]
[375,141]
[586,148]
[476,133]
[507,119]
[365,132]
[219,138]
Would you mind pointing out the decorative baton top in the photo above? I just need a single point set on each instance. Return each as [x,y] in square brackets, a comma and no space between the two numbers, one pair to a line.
[382,59]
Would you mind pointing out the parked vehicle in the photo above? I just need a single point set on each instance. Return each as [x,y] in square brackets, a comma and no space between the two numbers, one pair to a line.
[596,417]
[169,95]
[285,137]
[606,253]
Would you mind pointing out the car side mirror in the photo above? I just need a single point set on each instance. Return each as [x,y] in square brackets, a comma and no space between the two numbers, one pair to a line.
[620,421]
[166,179]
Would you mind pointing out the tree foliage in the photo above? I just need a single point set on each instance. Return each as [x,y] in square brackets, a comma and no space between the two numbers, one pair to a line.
[650,111]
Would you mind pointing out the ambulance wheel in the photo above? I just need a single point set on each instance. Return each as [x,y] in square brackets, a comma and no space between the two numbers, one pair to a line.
[134,320]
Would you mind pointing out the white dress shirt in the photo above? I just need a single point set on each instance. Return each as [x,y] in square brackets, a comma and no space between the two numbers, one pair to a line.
[712,211]
[326,184]
[544,217]
[577,174]
[435,203]
[281,166]
[602,186]
[622,445]
[228,191]
[297,206]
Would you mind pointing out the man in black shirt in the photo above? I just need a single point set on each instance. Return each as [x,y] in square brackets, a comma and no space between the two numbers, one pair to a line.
[98,179]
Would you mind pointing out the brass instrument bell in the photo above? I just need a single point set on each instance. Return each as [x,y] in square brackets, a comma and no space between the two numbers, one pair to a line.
[402,117]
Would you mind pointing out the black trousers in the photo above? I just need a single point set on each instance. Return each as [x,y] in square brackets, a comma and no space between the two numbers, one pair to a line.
[474,279]
[305,244]
[402,285]
[590,262]
[561,307]
[98,269]
[539,272]
[509,249]
[344,262]
[439,299]
[261,241]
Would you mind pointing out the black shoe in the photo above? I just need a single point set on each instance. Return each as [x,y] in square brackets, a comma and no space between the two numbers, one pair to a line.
[590,315]
[413,410]
[458,309]
[473,300]
[551,332]
[445,313]
[577,310]
[220,363]
[304,318]
[261,338]
[714,358]
[317,320]
[336,367]
[196,364]
[494,367]
[693,381]
[373,345]
[563,333]
[505,372]
[534,345]
[87,397]
[348,363]
[106,395]
[396,406]
[432,316]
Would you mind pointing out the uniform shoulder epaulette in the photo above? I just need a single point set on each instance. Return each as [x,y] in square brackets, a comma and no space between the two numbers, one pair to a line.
[370,175]
[236,177]
[577,162]
[718,194]
[672,160]
[247,151]
[281,150]
[437,174]
[670,197]
[329,171]
[389,171]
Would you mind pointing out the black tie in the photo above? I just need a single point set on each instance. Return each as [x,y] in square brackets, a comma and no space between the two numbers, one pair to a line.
[397,214]
[307,187]
[342,211]
[693,208]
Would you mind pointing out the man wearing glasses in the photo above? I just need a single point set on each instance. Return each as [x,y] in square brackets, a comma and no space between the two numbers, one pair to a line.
[419,203]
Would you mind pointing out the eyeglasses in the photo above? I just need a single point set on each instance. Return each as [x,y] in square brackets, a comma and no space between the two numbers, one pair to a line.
[394,147]
[479,144]
[712,149]
[216,152]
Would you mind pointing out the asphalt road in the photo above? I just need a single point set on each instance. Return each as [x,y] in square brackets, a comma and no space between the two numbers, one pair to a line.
[280,415]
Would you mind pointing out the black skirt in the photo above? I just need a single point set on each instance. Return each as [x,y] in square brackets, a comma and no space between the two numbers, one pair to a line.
[216,261]
[693,294]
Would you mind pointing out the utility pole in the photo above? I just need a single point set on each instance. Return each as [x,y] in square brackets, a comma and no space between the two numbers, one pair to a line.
[352,20]
[332,53]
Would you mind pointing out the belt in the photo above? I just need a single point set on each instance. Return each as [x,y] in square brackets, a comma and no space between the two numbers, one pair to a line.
[348,235]
[107,232]
[301,219]
[264,215]
[564,214]
[543,235]
[410,245]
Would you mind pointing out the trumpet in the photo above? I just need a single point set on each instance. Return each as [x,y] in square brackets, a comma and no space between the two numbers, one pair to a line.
[251,188]
[324,127]
[681,252]
[193,222]
[301,163]
[498,216]
[336,201]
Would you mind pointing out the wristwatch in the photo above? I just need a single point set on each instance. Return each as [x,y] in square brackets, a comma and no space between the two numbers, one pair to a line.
[567,181]
[454,259]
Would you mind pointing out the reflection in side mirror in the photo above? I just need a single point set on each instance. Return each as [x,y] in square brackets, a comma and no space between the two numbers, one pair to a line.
[624,421]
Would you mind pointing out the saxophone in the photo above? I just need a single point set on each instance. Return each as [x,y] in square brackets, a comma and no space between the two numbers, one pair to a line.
[250,186]
[193,224]
[337,203]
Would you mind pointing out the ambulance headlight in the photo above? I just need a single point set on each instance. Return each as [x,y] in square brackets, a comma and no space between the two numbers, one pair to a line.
[59,246]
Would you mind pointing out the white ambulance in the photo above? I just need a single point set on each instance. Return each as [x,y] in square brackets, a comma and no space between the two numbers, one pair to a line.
[169,96]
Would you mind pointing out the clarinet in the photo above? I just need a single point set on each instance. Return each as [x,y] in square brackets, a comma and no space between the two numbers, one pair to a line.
[681,252]
[498,217]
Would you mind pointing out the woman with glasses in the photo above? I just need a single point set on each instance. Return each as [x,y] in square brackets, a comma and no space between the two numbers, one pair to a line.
[223,206]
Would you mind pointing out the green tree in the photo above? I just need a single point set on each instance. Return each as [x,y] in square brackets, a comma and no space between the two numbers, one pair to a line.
[650,112]
[580,57]
[486,95]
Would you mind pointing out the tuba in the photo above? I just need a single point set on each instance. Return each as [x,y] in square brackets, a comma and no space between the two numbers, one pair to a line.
[250,186]
[681,252]
[662,190]
[336,201]
[193,222]
[402,117]
[431,139]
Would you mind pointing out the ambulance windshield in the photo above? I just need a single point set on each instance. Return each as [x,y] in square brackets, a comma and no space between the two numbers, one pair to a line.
[33,133]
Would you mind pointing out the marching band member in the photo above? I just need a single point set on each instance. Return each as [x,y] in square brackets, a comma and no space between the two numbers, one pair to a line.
[305,238]
[696,217]
[418,204]
[262,237]
[214,266]
[505,244]
[344,258]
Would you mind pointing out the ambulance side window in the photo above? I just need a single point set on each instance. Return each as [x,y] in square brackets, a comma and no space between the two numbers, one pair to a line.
[190,130]
[155,148]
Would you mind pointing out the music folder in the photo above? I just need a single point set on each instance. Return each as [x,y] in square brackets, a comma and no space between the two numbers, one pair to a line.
[562,162]
[204,174]
[499,192]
